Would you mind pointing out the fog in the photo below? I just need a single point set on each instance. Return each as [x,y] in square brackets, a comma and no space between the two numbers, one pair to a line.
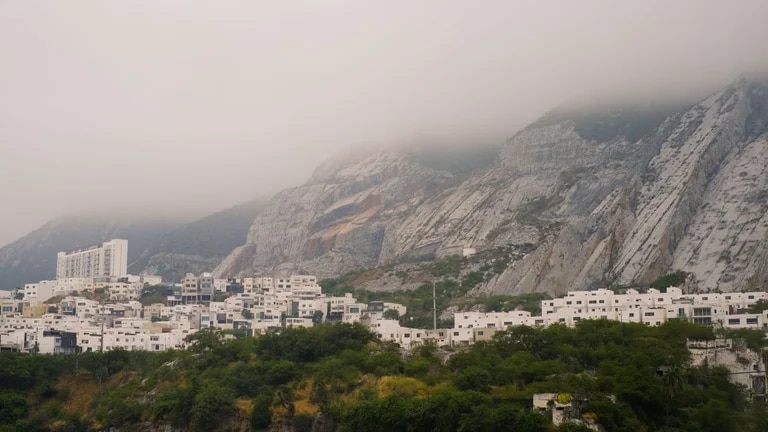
[192,106]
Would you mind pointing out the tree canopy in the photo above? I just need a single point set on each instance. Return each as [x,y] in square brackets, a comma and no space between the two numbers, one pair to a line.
[631,377]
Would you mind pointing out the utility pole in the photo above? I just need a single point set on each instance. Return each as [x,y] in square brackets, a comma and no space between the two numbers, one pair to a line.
[434,306]
[101,318]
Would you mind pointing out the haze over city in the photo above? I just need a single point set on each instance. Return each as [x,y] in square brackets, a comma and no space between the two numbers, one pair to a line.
[188,106]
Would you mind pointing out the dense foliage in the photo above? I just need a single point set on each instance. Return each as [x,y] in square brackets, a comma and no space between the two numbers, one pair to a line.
[360,383]
[676,279]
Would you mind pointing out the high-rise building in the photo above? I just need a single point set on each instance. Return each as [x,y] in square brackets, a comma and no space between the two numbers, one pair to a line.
[105,261]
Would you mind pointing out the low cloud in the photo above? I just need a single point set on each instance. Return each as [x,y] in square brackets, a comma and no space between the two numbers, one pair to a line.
[190,106]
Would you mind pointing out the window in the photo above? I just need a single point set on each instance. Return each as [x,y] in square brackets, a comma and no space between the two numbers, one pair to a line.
[702,311]
[601,301]
[649,314]
[480,333]
[734,321]
[455,333]
[632,315]
[568,302]
[751,297]
[752,321]
[661,299]
[592,301]
[727,297]
[578,302]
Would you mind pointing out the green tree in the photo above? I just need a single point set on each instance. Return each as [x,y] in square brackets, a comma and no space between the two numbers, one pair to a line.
[392,314]
[13,407]
[473,378]
[676,279]
[759,306]
[317,317]
[205,339]
[261,417]
[213,405]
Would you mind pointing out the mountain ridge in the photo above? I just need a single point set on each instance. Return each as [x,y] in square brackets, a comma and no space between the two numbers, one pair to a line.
[165,246]
[584,196]
[33,257]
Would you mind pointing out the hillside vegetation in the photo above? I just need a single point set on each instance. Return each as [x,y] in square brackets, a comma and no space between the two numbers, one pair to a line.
[340,378]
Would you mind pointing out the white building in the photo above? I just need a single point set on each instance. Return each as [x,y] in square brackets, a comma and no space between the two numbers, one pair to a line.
[77,323]
[655,307]
[40,291]
[124,291]
[108,260]
[145,279]
[197,289]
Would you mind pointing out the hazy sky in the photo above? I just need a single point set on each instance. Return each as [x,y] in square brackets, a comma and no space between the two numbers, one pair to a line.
[201,104]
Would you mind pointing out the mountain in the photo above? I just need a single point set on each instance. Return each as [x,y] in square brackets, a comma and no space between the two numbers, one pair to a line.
[605,196]
[198,246]
[165,247]
[33,257]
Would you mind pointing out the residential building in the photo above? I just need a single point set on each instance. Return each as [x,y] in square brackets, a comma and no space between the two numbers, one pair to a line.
[110,259]
[196,289]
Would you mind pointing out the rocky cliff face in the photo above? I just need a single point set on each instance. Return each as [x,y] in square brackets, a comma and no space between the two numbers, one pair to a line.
[704,209]
[609,198]
[340,219]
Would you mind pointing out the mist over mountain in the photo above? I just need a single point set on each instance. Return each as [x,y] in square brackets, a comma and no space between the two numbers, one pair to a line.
[596,195]
[620,194]
[33,257]
[165,247]
[200,245]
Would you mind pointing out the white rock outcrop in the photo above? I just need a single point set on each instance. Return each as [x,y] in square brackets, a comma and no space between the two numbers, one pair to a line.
[691,195]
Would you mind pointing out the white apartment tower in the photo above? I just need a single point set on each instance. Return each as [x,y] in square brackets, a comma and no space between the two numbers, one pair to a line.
[108,260]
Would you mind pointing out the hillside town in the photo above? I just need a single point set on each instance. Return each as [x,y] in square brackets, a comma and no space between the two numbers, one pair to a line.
[93,305]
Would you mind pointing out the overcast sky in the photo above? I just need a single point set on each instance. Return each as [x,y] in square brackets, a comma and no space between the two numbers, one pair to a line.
[199,105]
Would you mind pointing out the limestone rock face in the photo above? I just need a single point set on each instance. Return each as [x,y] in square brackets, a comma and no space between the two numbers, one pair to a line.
[598,207]
[340,219]
[704,209]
